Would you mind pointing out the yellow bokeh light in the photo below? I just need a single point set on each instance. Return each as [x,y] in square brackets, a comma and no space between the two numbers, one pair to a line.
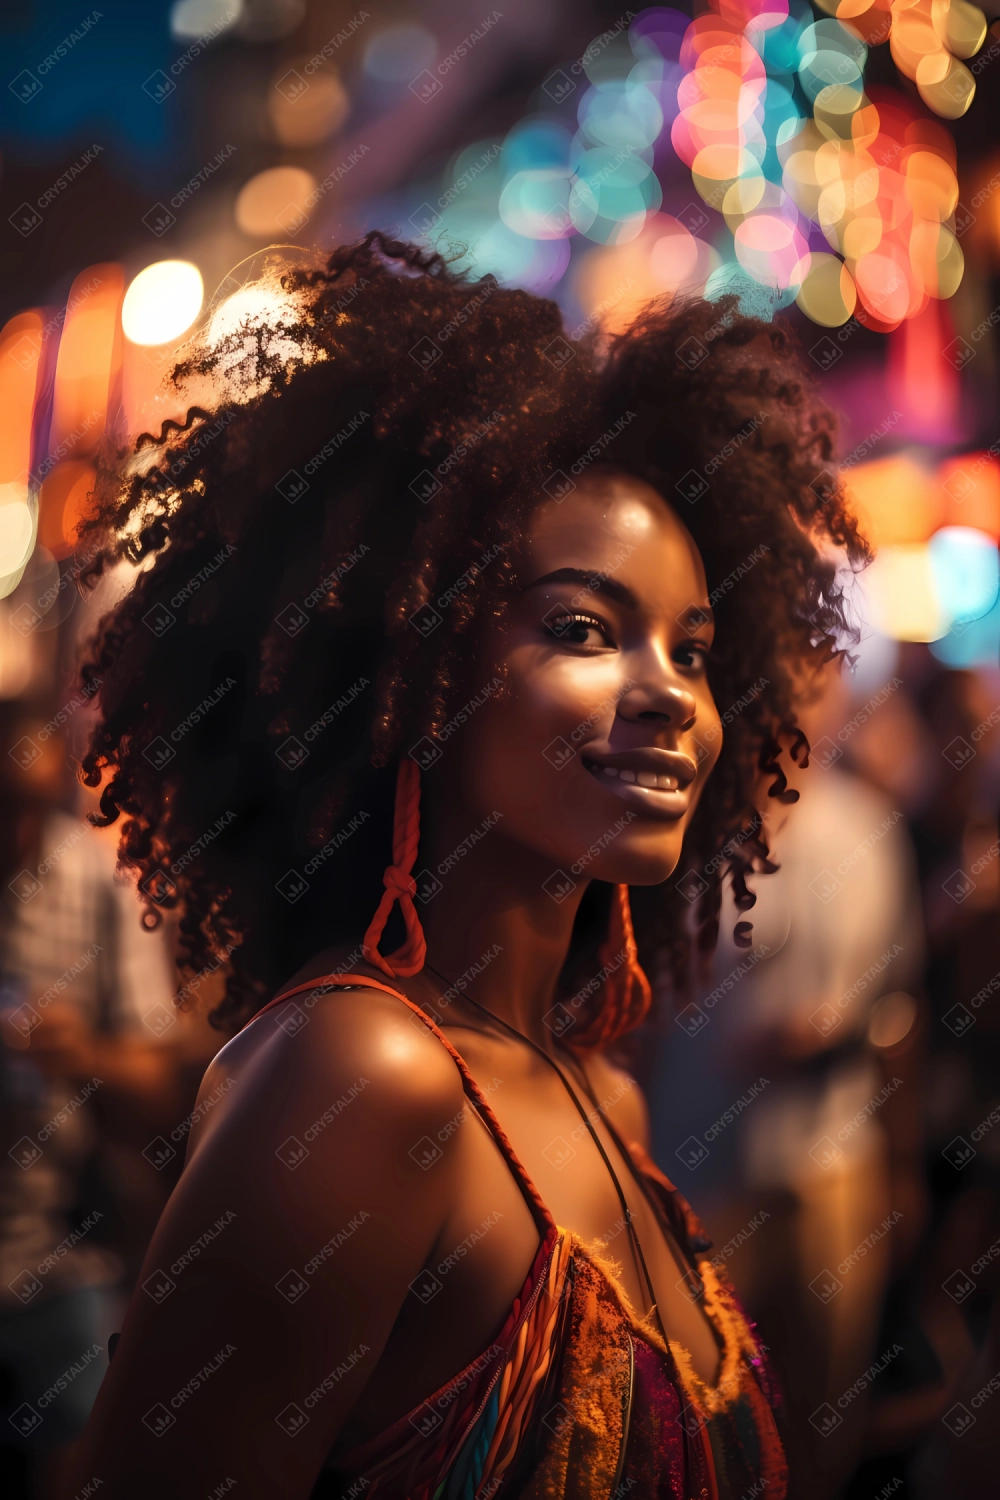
[961,27]
[308,111]
[896,500]
[828,295]
[945,85]
[931,185]
[277,201]
[937,258]
[903,596]
[17,528]
[162,302]
[913,38]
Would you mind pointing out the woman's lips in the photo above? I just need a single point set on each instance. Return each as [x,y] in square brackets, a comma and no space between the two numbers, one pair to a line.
[655,794]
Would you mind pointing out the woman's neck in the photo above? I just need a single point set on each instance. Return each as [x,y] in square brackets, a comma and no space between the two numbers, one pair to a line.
[493,925]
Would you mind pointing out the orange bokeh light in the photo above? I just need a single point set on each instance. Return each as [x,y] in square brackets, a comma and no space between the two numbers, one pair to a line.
[89,360]
[20,355]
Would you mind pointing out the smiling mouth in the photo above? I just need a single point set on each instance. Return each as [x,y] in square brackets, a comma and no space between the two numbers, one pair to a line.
[652,779]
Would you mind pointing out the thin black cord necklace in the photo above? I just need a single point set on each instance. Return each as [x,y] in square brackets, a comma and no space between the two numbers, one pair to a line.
[584,1115]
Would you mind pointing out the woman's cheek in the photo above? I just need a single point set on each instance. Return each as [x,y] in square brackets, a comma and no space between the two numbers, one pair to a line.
[566,698]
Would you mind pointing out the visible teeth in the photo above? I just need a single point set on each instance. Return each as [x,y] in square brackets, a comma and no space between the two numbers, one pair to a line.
[649,779]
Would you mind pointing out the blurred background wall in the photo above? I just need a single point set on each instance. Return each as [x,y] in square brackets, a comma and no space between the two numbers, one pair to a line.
[829,1100]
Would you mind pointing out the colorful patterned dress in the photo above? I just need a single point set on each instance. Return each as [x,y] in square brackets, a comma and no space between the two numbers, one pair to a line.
[578,1397]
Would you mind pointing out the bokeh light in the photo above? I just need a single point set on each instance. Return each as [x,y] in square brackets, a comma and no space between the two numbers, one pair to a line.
[192,19]
[964,561]
[276,201]
[306,104]
[901,588]
[162,302]
[17,528]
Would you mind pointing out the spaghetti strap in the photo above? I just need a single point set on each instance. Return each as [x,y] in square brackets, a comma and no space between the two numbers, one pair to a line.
[534,1199]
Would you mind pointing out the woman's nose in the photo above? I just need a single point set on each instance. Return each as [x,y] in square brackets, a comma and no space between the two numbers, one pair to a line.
[669,703]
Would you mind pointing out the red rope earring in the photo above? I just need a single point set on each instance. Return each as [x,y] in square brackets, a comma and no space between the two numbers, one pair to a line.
[625,995]
[399,883]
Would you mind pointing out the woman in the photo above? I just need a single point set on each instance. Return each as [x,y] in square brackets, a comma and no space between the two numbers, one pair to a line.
[418,678]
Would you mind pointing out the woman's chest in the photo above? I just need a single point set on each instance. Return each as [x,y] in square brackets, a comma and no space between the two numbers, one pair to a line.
[587,1185]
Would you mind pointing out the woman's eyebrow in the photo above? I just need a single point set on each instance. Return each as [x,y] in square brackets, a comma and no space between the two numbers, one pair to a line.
[595,582]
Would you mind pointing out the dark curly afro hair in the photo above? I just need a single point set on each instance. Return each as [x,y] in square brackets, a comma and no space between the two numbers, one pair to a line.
[287,638]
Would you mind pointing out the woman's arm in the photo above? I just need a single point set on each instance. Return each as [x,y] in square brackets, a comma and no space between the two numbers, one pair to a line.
[245,1345]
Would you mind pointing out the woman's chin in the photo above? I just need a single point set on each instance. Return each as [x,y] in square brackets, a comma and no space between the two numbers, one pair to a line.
[637,866]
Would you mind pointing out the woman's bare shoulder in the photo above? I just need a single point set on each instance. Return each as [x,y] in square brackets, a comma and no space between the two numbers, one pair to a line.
[321,1044]
[309,1126]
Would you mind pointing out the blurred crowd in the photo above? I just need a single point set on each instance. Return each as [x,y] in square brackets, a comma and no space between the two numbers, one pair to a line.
[828,1099]
[98,1074]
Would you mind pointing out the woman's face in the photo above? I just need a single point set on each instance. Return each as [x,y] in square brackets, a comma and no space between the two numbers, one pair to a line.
[596,753]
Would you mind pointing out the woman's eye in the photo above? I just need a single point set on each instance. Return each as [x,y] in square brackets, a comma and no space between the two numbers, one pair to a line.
[578,630]
[693,656]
